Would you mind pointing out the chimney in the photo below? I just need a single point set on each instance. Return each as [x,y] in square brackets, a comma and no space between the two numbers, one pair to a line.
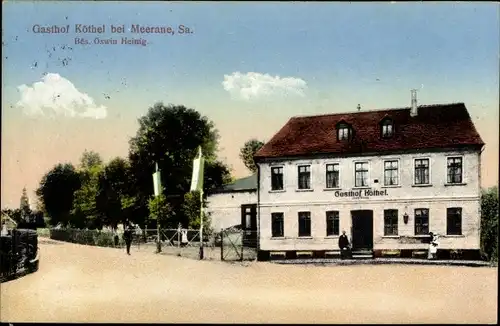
[414,107]
[359,107]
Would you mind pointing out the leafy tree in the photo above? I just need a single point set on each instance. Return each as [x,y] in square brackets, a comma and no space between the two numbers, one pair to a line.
[25,206]
[191,210]
[132,211]
[161,211]
[248,151]
[8,212]
[15,214]
[85,212]
[39,213]
[489,223]
[216,174]
[38,219]
[56,192]
[113,192]
[170,136]
[90,159]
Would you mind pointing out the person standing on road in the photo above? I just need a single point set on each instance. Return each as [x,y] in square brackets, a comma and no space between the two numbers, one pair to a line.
[433,246]
[184,238]
[127,236]
[344,245]
[116,239]
[431,237]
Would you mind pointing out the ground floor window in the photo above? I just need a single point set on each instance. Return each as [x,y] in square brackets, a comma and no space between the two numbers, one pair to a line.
[304,224]
[332,223]
[454,221]
[421,221]
[277,228]
[391,222]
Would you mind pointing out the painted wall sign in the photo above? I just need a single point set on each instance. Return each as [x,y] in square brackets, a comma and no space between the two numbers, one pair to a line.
[361,193]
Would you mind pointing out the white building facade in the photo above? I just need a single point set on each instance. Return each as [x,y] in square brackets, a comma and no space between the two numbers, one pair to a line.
[225,207]
[234,205]
[389,199]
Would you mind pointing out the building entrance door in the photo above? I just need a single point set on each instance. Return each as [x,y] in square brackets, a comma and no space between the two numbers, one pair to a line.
[249,224]
[362,229]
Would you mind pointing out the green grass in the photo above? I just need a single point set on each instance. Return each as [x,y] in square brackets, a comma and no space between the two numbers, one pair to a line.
[43,233]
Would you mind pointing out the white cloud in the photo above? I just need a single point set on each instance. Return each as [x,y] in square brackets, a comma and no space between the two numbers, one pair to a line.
[55,95]
[254,85]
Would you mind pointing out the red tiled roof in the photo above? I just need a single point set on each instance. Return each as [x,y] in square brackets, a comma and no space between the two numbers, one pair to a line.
[435,126]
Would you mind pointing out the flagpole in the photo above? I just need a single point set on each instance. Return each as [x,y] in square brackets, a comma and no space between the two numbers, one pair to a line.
[201,210]
[201,223]
[197,185]
[158,243]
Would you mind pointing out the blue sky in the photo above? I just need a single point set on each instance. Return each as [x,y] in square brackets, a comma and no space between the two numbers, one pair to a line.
[345,53]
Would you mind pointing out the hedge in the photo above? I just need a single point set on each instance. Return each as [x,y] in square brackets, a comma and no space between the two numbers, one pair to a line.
[87,237]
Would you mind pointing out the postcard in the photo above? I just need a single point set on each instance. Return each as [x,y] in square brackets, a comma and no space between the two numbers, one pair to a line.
[249,162]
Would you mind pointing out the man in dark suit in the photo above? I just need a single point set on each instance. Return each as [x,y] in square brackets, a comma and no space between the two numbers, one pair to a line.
[127,235]
[344,246]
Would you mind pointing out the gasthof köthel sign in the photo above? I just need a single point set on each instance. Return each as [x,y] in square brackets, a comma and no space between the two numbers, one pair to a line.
[361,193]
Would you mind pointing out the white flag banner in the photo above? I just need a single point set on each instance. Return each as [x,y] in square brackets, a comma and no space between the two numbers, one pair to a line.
[157,181]
[197,177]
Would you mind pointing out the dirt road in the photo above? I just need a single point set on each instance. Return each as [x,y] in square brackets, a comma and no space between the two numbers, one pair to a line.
[89,284]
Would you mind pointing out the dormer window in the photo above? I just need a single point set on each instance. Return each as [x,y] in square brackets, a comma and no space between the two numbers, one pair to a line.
[387,128]
[343,131]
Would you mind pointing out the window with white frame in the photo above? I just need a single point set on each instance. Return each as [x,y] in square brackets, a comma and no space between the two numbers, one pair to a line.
[421,221]
[332,175]
[343,131]
[454,170]
[277,225]
[387,128]
[390,222]
[332,223]
[304,224]
[361,174]
[422,171]
[304,176]
[391,173]
[277,178]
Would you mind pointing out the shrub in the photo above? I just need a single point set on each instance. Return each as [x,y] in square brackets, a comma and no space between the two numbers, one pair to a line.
[104,239]
[86,237]
[43,233]
[489,224]
[60,234]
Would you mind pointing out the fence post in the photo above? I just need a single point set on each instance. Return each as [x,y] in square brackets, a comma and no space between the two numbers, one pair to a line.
[179,236]
[138,239]
[221,244]
[242,243]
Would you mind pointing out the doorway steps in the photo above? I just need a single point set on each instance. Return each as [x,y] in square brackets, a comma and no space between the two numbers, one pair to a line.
[362,254]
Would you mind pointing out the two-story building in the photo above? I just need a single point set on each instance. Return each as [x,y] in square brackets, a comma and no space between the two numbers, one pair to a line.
[386,177]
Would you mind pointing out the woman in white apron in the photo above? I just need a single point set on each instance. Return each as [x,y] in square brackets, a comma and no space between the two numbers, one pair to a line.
[184,238]
[433,247]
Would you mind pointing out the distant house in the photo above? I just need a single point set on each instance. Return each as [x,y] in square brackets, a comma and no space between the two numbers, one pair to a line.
[7,223]
[234,204]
